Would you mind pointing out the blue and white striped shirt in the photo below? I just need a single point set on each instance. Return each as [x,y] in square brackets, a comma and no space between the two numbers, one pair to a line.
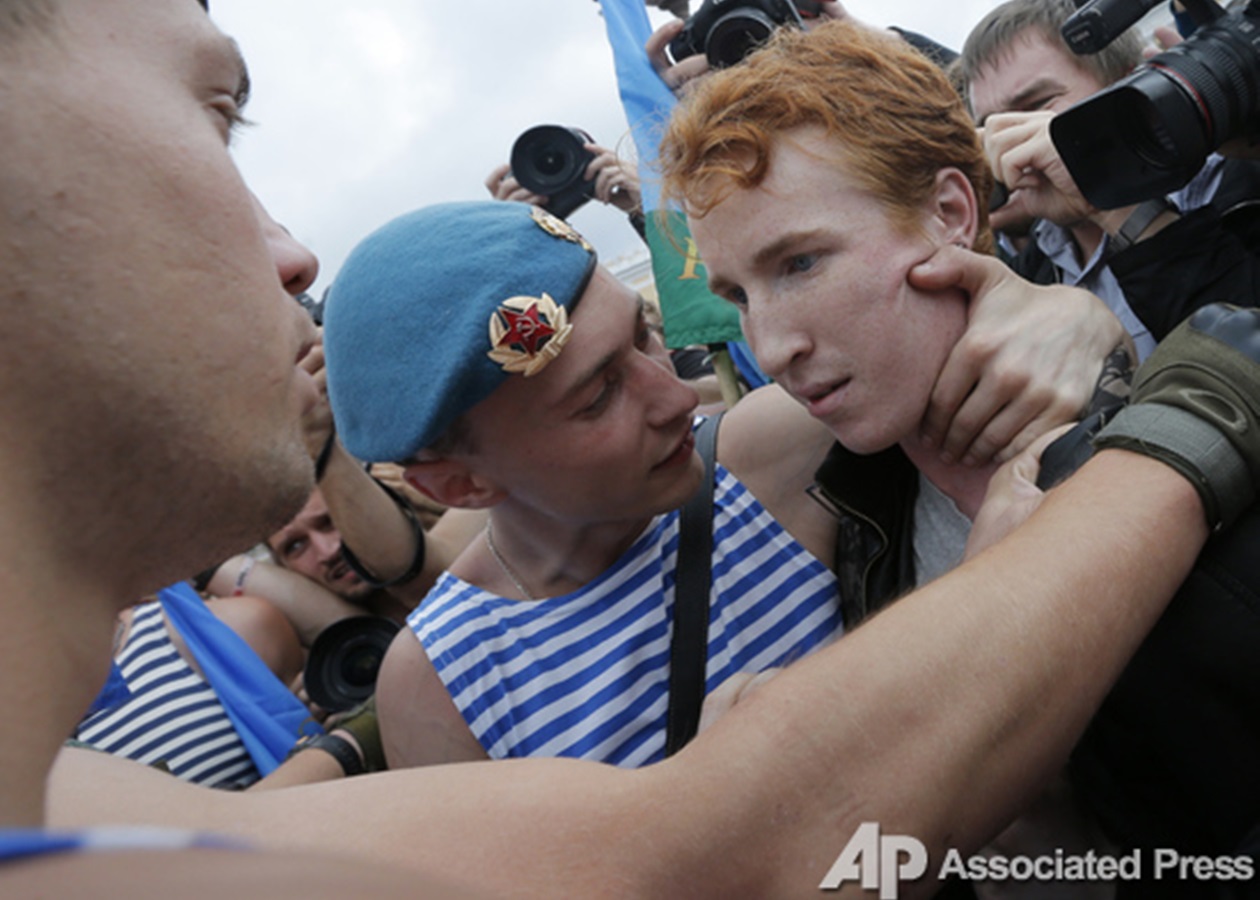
[173,716]
[586,675]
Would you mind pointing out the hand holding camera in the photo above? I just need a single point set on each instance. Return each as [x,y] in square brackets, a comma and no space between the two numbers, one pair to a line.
[725,31]
[1022,156]
[560,169]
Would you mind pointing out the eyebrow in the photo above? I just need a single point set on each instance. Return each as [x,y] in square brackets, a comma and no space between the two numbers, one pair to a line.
[766,254]
[1014,103]
[604,361]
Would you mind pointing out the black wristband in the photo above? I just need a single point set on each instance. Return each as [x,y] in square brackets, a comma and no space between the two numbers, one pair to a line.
[339,749]
[417,559]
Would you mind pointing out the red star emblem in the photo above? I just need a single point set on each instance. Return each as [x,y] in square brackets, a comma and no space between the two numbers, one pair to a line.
[526,329]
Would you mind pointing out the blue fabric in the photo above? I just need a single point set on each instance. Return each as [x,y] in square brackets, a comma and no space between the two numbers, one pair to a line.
[746,363]
[267,715]
[113,693]
[691,314]
[24,843]
[644,96]
[406,323]
[20,843]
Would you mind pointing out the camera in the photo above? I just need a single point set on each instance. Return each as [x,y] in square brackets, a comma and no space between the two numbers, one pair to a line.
[551,160]
[344,660]
[726,31]
[1096,23]
[1151,132]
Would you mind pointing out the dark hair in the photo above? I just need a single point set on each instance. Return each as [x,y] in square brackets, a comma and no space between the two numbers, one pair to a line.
[998,31]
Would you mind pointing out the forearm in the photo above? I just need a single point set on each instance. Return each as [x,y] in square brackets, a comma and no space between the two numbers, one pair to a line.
[372,525]
[935,719]
[308,606]
[941,714]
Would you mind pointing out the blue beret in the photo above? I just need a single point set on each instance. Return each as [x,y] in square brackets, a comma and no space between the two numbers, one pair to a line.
[431,313]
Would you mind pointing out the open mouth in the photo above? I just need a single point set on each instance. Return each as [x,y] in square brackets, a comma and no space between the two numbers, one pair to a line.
[339,571]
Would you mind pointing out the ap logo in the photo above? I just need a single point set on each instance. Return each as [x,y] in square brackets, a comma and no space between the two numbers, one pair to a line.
[877,862]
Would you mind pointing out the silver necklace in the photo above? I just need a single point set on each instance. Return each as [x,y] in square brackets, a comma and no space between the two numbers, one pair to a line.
[498,557]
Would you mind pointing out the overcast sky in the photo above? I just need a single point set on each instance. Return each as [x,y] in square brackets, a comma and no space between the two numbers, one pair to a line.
[365,110]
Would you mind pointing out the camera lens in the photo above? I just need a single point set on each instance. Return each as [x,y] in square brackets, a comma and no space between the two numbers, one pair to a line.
[344,660]
[551,160]
[737,34]
[548,158]
[1149,133]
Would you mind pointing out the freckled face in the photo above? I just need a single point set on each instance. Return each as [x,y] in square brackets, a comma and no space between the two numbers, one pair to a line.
[818,270]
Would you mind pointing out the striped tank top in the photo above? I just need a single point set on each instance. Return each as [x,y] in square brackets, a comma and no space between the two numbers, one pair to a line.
[586,675]
[173,716]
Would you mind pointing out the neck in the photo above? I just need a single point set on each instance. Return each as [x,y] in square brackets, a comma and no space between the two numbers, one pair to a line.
[61,604]
[548,557]
[965,485]
[56,648]
[1087,236]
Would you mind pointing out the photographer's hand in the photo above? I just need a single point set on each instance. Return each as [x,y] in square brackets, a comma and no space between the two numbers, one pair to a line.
[1023,157]
[616,184]
[1028,362]
[502,186]
[677,76]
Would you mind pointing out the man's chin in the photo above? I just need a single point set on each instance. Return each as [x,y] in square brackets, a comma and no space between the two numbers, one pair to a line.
[356,594]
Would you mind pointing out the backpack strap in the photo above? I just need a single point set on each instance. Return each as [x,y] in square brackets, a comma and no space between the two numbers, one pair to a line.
[689,646]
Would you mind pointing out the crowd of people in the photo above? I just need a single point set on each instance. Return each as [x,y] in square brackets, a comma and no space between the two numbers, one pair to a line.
[977,567]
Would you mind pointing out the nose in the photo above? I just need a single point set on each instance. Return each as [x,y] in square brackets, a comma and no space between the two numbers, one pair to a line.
[670,396]
[774,339]
[327,544]
[296,265]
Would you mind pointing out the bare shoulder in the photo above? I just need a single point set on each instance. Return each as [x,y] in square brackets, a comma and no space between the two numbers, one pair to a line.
[211,874]
[769,435]
[771,444]
[420,724]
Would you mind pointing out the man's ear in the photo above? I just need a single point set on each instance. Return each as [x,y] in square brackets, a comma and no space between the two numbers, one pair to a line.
[955,211]
[451,483]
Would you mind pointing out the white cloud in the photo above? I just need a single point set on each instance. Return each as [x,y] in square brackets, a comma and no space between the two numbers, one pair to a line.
[369,109]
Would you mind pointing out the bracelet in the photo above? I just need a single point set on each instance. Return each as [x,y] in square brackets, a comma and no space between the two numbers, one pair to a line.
[339,749]
[1139,220]
[417,559]
[321,462]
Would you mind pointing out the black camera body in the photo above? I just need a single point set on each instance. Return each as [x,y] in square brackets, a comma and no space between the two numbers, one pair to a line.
[551,160]
[1152,131]
[344,660]
[726,31]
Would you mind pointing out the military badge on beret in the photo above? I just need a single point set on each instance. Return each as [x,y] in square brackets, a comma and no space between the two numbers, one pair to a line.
[527,333]
[557,227]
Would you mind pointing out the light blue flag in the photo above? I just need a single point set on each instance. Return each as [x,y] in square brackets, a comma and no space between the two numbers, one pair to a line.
[692,315]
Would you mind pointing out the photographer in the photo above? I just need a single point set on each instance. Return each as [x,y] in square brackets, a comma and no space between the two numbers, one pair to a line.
[678,74]
[613,182]
[1152,263]
[608,180]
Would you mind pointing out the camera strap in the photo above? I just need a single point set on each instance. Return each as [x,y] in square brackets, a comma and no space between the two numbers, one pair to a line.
[689,646]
